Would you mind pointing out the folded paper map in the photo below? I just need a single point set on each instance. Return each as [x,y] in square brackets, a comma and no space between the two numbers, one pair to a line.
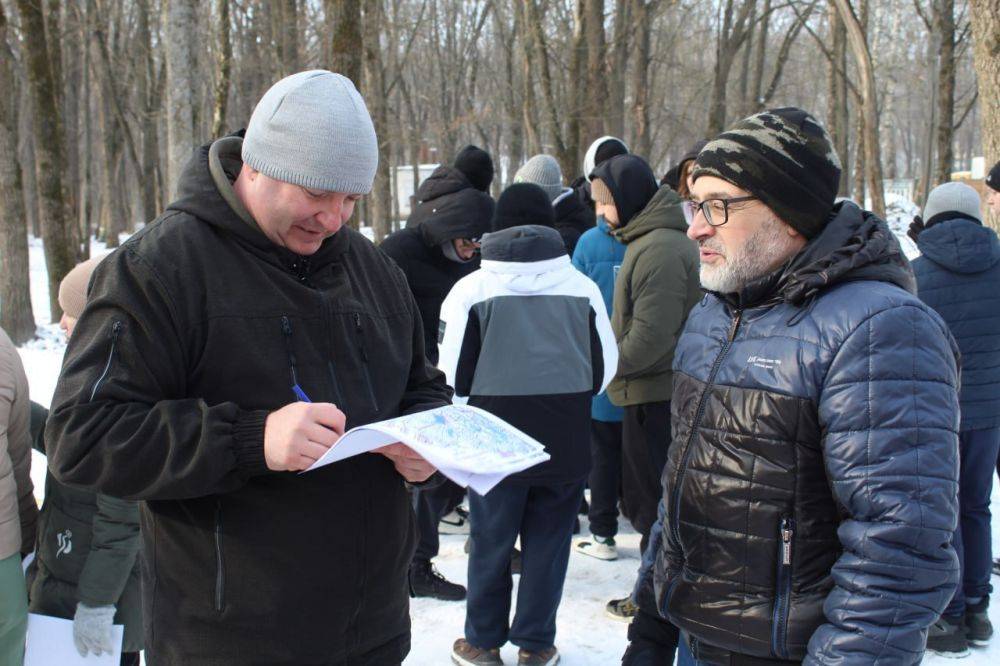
[471,447]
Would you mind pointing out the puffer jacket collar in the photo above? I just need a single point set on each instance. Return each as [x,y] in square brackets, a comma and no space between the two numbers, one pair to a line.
[960,245]
[854,245]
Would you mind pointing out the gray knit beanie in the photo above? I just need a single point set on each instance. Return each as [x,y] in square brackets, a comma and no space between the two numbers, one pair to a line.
[951,198]
[313,129]
[544,171]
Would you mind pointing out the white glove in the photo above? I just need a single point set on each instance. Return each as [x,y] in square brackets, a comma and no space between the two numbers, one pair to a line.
[92,629]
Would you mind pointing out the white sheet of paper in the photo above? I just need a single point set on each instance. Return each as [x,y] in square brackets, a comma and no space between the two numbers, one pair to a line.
[470,446]
[50,641]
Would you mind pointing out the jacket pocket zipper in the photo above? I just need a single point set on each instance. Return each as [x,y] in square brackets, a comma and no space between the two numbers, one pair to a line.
[783,589]
[220,576]
[364,361]
[116,328]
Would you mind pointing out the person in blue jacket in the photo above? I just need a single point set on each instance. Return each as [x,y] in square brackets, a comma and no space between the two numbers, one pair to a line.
[958,275]
[599,255]
[811,487]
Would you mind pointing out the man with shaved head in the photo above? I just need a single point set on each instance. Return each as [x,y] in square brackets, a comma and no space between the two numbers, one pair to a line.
[810,488]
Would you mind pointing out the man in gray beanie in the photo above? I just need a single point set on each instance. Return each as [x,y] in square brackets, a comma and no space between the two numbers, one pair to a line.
[958,274]
[572,218]
[187,384]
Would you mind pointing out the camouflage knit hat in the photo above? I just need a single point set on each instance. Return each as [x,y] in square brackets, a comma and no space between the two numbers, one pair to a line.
[785,158]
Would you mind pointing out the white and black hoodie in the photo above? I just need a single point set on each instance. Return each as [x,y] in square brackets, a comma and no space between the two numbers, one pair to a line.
[527,338]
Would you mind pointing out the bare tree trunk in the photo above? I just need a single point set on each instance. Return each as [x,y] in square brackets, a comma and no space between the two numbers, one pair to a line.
[985,18]
[147,115]
[26,156]
[346,58]
[944,19]
[224,66]
[50,154]
[379,205]
[643,16]
[597,88]
[577,86]
[760,59]
[289,37]
[179,23]
[838,115]
[16,316]
[869,100]
[619,67]
[541,56]
[734,31]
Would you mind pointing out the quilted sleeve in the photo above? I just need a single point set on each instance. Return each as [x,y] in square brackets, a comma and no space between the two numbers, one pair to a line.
[889,415]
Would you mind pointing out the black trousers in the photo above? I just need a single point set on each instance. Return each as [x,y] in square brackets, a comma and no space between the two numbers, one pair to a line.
[645,440]
[605,477]
[430,505]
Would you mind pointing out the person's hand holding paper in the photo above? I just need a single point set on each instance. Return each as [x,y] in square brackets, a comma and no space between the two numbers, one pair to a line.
[410,464]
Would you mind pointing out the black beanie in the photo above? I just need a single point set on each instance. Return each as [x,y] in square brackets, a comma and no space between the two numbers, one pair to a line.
[993,178]
[476,165]
[785,158]
[523,203]
[608,149]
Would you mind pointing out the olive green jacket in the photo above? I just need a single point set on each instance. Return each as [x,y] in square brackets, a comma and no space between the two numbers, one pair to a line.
[656,287]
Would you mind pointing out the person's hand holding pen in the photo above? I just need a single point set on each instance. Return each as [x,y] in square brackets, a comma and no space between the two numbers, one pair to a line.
[297,435]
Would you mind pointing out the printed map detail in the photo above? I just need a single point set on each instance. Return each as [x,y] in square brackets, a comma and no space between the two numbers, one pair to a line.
[468,445]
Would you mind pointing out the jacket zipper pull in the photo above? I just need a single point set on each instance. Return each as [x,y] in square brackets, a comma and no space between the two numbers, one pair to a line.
[361,337]
[736,325]
[786,541]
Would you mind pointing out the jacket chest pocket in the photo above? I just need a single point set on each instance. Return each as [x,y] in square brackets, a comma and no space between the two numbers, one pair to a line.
[357,361]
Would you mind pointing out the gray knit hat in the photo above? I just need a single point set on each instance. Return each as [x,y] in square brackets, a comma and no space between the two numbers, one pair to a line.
[313,129]
[544,171]
[951,198]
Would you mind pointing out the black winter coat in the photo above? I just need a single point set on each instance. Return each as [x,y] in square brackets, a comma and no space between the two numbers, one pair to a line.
[195,331]
[811,485]
[572,218]
[449,208]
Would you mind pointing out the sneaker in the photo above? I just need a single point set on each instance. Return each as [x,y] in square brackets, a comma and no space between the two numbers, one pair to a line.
[425,581]
[603,548]
[622,610]
[515,561]
[464,653]
[947,638]
[978,629]
[547,657]
[456,522]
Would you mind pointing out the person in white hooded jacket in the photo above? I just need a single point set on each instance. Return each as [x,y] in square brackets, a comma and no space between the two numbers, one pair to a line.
[526,338]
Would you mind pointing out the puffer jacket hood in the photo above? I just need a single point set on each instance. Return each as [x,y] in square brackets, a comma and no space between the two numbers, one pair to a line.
[449,207]
[855,245]
[631,182]
[664,211]
[529,259]
[524,244]
[960,245]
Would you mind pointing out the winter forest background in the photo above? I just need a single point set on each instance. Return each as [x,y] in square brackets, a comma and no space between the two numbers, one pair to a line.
[102,101]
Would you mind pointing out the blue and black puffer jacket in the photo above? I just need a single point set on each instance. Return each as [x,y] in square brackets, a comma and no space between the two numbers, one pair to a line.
[959,276]
[811,485]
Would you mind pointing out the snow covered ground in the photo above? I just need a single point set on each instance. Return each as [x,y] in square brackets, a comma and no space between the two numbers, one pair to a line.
[586,637]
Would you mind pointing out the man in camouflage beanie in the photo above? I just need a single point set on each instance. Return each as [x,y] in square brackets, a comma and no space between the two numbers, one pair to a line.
[783,157]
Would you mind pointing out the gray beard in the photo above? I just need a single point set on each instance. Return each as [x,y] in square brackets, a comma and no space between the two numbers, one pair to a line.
[762,253]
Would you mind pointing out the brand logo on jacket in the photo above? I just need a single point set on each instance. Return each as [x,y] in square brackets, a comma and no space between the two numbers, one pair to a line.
[764,363]
[65,541]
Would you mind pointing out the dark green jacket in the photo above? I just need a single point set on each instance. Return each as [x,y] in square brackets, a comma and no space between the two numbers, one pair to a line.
[86,551]
[656,287]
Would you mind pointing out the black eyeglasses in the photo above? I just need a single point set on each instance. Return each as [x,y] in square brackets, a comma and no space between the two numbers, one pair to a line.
[716,211]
